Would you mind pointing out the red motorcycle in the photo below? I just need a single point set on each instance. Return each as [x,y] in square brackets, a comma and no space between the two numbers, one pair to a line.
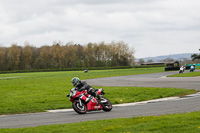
[81,107]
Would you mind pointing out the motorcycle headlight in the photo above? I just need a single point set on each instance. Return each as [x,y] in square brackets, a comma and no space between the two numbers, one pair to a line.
[72,94]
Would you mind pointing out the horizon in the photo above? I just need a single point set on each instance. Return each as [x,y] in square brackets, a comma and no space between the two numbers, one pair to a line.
[168,55]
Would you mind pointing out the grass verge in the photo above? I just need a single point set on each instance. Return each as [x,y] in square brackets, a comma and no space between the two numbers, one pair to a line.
[175,123]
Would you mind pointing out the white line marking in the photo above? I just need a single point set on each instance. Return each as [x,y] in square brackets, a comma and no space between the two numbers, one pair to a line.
[11,77]
[145,102]
[60,110]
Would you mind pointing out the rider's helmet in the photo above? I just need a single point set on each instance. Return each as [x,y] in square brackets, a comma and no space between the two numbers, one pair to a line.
[75,81]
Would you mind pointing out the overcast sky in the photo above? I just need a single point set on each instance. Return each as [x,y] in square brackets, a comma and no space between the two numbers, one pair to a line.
[151,27]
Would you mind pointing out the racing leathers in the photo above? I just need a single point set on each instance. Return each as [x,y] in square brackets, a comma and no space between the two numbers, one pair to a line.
[82,85]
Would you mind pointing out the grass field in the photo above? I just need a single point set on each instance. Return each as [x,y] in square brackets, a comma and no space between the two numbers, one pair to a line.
[37,92]
[176,123]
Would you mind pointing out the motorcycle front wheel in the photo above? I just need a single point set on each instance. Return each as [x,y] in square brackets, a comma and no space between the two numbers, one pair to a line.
[106,104]
[78,108]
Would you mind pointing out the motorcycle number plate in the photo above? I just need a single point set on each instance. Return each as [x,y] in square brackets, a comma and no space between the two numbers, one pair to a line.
[96,107]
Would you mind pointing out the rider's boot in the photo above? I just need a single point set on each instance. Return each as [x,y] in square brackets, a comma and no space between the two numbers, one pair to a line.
[98,99]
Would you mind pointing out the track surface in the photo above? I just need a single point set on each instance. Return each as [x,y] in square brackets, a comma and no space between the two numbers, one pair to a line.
[176,105]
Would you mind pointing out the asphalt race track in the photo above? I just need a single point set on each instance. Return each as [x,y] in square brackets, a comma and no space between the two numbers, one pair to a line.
[156,107]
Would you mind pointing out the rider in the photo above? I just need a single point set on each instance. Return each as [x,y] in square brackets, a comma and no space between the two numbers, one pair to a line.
[181,69]
[82,85]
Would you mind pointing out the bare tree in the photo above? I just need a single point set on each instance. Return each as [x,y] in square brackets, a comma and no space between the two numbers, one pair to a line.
[27,52]
[14,56]
[140,61]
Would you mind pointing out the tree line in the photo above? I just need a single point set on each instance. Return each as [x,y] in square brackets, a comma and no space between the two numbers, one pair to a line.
[195,56]
[65,56]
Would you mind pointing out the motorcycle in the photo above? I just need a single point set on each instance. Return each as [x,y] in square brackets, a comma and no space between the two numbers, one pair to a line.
[192,68]
[181,70]
[81,107]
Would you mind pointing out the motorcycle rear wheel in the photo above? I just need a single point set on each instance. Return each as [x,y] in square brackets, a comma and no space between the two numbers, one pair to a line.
[107,106]
[78,108]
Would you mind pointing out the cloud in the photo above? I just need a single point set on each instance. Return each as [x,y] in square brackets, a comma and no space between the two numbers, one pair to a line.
[152,27]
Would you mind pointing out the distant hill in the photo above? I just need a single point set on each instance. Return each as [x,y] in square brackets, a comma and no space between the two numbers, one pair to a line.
[173,56]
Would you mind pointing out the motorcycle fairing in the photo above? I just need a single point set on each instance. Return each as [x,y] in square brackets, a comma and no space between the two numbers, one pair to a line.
[92,105]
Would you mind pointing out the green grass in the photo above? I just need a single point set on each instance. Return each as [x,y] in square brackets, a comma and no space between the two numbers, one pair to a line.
[190,74]
[175,123]
[40,91]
